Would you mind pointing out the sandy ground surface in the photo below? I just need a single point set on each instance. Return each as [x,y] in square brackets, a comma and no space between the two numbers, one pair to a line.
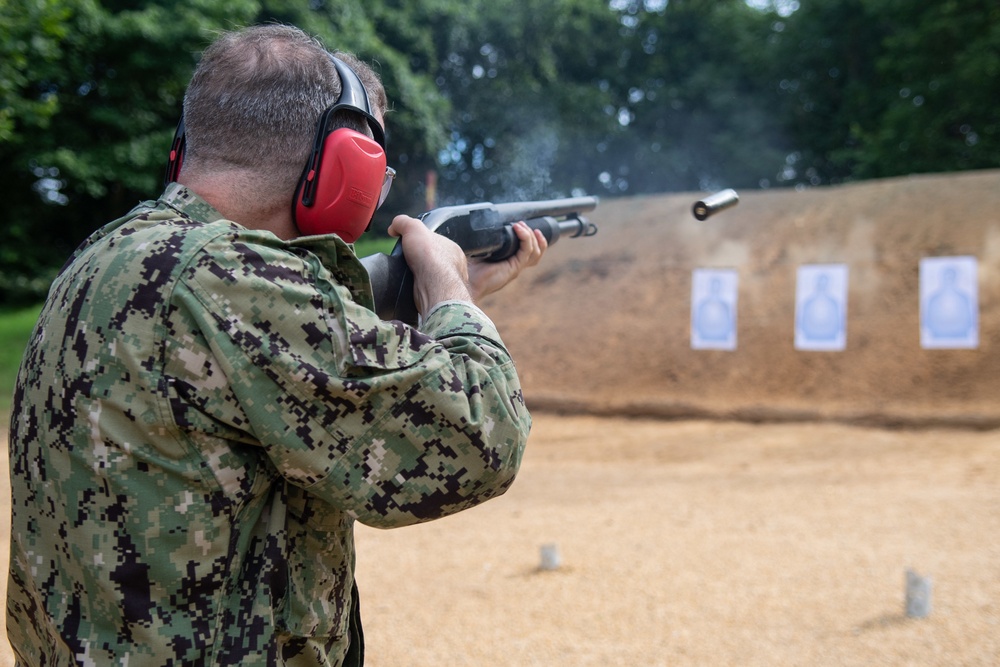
[700,543]
[703,543]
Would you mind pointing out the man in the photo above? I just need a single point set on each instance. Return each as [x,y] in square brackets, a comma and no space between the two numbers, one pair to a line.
[208,402]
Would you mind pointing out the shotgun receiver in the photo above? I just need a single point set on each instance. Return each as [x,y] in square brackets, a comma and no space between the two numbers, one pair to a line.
[483,231]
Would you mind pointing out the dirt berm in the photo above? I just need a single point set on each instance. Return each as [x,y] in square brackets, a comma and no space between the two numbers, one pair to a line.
[602,326]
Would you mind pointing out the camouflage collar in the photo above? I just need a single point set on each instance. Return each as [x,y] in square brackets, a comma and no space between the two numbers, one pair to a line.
[186,202]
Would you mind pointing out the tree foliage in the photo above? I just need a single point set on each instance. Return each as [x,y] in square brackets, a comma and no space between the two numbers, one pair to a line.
[876,88]
[89,106]
[501,99]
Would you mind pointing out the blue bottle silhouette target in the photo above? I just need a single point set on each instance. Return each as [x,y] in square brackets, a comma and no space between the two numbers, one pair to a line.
[715,321]
[821,313]
[949,310]
[821,307]
[713,309]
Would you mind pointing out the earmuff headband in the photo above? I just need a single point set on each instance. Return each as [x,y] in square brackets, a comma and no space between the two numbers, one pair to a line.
[353,97]
[176,154]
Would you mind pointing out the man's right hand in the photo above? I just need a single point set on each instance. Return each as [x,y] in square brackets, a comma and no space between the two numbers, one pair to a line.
[440,267]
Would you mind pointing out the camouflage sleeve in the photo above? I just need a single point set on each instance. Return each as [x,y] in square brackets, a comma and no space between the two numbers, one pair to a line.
[390,424]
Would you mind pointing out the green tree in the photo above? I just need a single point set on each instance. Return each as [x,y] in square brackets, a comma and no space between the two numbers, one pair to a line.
[940,64]
[89,104]
[30,51]
[624,97]
[512,74]
[90,93]
[876,88]
[691,98]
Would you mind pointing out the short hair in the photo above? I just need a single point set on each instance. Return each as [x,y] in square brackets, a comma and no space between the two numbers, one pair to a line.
[254,102]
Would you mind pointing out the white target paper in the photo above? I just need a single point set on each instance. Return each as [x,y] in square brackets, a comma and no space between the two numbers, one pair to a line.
[949,302]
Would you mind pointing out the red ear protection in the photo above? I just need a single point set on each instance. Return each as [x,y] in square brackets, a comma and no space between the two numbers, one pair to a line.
[346,178]
[342,186]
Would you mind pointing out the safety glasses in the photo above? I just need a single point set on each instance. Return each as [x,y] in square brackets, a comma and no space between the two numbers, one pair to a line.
[390,176]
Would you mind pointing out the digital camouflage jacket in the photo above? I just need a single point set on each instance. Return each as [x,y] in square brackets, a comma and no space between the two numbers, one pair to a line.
[201,415]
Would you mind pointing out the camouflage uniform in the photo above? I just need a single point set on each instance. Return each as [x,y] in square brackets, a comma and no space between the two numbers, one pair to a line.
[202,414]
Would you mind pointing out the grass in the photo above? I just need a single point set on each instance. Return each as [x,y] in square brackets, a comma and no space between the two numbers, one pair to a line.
[15,329]
[369,244]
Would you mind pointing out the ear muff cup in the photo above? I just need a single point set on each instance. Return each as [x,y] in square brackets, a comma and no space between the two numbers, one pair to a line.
[340,188]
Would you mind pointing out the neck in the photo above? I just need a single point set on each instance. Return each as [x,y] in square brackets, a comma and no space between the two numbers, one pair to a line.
[240,200]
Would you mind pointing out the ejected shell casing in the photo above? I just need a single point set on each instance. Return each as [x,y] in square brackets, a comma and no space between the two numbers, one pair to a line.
[714,203]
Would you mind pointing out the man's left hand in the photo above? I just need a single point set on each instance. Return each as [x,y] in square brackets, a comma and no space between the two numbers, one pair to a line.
[488,277]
